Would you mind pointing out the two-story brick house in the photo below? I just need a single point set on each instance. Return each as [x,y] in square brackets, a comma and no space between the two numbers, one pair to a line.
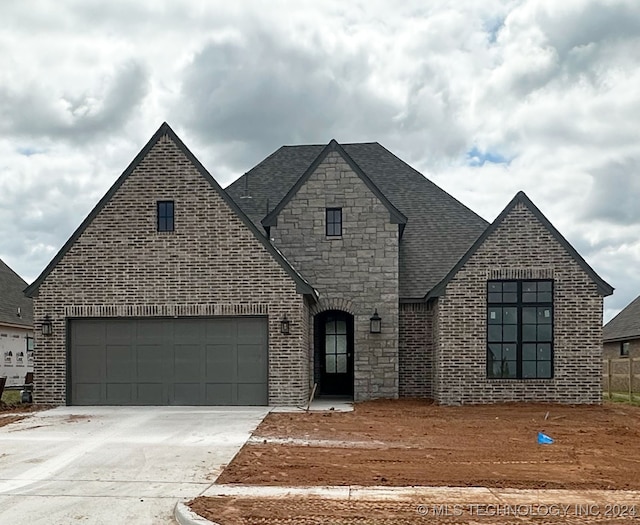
[338,265]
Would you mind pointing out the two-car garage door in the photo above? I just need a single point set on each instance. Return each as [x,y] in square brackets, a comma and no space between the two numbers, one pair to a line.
[214,361]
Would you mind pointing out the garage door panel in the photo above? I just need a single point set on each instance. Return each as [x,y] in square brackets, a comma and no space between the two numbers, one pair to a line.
[220,394]
[88,363]
[221,331]
[150,363]
[119,364]
[221,363]
[188,330]
[215,361]
[87,394]
[251,363]
[251,331]
[119,333]
[152,330]
[150,394]
[252,394]
[119,394]
[87,332]
[188,363]
[187,393]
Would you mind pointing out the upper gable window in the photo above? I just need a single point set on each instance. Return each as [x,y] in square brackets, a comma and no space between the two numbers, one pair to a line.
[165,216]
[334,222]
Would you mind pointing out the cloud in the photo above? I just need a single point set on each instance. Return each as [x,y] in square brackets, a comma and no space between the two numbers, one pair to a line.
[261,92]
[615,194]
[42,110]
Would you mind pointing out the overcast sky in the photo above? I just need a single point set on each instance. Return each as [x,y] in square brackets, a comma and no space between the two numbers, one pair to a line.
[484,98]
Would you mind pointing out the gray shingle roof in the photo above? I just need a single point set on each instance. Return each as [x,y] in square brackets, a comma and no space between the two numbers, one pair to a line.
[12,298]
[439,228]
[625,325]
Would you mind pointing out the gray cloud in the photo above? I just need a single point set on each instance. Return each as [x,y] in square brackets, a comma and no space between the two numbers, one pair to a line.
[263,92]
[615,194]
[45,111]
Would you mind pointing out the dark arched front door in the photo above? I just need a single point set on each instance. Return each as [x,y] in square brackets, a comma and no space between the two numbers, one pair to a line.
[334,340]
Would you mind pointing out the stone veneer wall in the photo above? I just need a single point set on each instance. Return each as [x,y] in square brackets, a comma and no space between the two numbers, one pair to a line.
[416,350]
[520,248]
[360,267]
[210,265]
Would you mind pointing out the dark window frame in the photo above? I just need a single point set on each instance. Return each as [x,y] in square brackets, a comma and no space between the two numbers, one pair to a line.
[333,222]
[625,346]
[515,338]
[165,215]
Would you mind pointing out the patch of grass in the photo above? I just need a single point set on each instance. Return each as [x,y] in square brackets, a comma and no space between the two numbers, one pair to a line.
[622,397]
[11,397]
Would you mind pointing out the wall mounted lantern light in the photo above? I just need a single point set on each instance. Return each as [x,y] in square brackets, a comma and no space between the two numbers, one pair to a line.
[375,323]
[285,325]
[47,326]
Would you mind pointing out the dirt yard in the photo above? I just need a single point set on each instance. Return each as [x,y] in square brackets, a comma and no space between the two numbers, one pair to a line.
[409,442]
[399,443]
[315,511]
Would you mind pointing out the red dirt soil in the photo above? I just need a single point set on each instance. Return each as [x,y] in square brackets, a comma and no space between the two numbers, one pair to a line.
[314,511]
[412,442]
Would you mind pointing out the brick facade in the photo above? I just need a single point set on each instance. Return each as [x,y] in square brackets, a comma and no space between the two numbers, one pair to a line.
[415,346]
[611,350]
[360,267]
[520,247]
[212,264]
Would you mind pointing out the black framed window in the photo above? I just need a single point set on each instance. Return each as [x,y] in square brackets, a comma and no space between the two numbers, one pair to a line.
[334,222]
[520,329]
[624,348]
[165,216]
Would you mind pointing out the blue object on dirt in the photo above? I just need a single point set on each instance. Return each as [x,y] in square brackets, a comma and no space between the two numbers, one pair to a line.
[543,439]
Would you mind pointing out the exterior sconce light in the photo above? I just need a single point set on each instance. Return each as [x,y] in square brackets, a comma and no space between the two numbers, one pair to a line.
[285,325]
[375,323]
[47,326]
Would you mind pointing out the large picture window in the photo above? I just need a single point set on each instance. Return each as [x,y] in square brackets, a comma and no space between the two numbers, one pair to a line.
[520,329]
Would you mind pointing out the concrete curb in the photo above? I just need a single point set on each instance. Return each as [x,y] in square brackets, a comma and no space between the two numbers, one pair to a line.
[185,516]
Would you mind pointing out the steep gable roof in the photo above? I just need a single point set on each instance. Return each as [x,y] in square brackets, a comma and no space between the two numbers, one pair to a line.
[439,229]
[396,217]
[302,285]
[12,298]
[521,198]
[625,325]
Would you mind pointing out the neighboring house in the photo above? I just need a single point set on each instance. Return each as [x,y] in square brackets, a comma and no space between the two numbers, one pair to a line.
[621,335]
[16,328]
[338,265]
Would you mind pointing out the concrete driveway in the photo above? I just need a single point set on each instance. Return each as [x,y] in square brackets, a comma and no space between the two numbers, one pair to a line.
[106,465]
